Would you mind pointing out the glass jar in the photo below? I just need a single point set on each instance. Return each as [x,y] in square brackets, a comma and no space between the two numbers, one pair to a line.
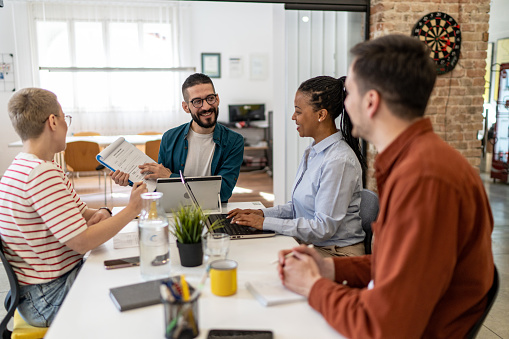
[154,238]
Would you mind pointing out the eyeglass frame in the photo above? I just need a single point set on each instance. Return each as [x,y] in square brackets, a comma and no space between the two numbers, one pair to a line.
[65,118]
[214,95]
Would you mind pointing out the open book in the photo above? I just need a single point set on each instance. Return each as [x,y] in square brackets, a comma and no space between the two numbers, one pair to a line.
[125,157]
[270,293]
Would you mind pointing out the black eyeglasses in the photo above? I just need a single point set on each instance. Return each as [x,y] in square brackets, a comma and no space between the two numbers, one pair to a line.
[198,102]
[68,120]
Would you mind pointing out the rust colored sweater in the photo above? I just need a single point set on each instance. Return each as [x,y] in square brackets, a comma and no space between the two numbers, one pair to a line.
[432,263]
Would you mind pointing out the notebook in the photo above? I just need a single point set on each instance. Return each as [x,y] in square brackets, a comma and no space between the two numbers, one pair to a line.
[135,296]
[270,293]
[235,231]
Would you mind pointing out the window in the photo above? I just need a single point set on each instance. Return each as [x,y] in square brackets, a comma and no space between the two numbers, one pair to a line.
[106,36]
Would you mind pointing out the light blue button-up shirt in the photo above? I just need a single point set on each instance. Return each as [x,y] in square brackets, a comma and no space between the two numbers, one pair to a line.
[326,197]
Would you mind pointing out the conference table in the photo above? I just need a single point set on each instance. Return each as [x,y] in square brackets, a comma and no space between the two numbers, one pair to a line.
[88,311]
[102,140]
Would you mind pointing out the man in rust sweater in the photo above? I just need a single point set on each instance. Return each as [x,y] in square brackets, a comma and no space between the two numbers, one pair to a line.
[432,263]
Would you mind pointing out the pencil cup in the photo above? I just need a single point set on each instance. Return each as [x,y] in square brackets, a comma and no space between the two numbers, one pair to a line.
[181,318]
[223,277]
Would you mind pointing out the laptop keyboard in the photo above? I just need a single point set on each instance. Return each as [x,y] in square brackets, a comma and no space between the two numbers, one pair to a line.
[229,228]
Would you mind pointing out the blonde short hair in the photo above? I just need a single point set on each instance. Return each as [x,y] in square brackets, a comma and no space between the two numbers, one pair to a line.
[29,108]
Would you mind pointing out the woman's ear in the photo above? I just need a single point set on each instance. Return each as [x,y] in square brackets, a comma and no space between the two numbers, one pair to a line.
[322,114]
[52,122]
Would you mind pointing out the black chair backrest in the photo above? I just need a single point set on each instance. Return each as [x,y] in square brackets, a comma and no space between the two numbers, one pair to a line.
[368,212]
[492,295]
[12,299]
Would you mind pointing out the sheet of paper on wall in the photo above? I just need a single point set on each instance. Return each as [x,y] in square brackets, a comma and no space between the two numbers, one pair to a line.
[125,157]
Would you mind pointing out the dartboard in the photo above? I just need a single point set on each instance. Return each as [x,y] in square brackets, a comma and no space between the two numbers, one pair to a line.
[443,36]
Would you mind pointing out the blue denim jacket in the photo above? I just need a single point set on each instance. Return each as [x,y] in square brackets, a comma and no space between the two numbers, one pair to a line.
[228,154]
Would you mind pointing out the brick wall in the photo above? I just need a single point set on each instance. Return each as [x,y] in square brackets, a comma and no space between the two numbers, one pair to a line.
[456,104]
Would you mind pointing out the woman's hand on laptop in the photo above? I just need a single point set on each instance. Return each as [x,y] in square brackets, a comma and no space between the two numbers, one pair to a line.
[154,171]
[120,178]
[249,219]
[238,211]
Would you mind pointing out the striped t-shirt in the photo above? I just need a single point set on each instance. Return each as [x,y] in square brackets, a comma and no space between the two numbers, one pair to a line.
[39,212]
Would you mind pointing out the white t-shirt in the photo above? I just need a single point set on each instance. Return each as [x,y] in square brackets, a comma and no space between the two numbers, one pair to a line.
[199,155]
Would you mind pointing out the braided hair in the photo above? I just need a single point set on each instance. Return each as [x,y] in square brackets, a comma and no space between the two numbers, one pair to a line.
[329,93]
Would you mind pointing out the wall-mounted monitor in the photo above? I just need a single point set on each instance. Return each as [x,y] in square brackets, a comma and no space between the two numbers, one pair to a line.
[247,112]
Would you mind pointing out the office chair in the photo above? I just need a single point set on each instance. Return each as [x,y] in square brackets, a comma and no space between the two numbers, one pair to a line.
[21,329]
[84,134]
[492,295]
[368,212]
[149,133]
[80,156]
[87,134]
[152,149]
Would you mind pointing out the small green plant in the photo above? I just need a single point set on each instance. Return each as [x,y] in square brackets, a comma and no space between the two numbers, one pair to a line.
[188,224]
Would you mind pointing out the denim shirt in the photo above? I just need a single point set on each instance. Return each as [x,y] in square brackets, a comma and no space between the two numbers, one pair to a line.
[326,198]
[226,162]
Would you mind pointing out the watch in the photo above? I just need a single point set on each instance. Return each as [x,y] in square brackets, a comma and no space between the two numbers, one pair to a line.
[107,209]
[442,34]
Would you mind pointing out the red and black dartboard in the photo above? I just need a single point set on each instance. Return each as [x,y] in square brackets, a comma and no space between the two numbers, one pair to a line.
[442,34]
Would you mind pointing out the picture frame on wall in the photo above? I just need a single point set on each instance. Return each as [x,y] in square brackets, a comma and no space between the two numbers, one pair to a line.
[211,64]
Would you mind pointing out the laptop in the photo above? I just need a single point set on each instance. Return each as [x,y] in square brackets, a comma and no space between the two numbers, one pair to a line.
[175,195]
[235,231]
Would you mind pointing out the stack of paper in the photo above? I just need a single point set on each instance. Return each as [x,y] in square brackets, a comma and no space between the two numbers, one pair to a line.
[270,293]
[128,236]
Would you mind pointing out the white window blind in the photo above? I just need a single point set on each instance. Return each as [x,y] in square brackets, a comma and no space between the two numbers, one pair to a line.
[111,35]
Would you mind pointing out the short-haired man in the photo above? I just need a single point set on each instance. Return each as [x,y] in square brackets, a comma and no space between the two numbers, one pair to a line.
[45,228]
[201,147]
[432,263]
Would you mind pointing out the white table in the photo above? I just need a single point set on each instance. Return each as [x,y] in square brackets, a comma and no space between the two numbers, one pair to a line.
[102,140]
[105,140]
[88,311]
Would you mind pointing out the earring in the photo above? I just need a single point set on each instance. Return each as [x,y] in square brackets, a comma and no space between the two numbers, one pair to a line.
[319,120]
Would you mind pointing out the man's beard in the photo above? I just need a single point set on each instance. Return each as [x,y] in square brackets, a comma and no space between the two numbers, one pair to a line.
[215,114]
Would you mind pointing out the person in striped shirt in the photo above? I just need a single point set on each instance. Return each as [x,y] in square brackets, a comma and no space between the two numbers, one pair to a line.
[45,228]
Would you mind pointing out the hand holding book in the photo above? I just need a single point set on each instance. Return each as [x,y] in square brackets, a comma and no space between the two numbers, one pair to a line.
[125,157]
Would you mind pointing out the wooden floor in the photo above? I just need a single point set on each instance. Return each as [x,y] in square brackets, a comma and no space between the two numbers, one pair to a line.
[251,186]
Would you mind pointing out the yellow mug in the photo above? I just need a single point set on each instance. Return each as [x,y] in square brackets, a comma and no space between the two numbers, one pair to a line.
[223,277]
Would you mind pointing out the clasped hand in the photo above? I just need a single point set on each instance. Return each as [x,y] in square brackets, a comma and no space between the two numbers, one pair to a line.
[300,271]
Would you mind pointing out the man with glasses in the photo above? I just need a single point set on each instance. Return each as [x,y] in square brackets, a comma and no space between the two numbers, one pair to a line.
[44,226]
[201,147]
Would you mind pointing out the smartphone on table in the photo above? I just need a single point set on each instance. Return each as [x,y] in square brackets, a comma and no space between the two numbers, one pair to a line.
[123,262]
[244,334]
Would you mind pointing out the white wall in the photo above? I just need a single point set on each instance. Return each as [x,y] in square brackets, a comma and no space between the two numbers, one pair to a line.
[22,72]
[234,30]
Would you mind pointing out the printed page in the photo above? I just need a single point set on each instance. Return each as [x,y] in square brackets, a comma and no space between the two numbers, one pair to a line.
[125,157]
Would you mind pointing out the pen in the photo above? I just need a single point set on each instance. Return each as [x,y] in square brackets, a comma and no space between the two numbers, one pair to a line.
[200,285]
[290,254]
[185,288]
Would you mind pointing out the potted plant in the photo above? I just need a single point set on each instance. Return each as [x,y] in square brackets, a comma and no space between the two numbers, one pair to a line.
[188,224]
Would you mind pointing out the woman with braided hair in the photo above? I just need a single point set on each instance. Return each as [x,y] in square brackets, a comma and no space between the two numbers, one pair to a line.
[324,210]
